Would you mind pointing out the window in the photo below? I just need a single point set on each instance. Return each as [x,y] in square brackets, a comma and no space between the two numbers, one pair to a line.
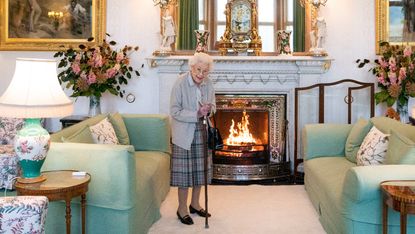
[273,15]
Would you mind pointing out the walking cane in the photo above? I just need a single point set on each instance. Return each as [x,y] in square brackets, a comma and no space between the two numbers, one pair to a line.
[206,173]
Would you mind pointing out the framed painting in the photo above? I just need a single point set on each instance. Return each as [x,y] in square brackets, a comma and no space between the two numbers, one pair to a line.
[50,24]
[395,22]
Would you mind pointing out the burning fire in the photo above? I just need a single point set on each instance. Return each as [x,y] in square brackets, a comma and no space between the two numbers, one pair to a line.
[241,135]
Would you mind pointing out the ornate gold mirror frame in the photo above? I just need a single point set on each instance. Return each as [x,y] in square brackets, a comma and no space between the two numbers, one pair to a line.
[233,41]
[397,29]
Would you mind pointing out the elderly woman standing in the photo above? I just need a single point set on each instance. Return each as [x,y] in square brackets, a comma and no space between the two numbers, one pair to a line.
[192,98]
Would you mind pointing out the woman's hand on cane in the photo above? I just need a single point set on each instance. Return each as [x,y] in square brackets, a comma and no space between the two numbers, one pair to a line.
[204,110]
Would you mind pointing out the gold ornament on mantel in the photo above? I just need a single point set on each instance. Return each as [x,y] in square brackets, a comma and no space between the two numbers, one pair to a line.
[241,32]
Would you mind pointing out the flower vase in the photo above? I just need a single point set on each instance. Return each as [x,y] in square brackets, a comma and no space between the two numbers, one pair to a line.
[94,106]
[402,109]
[283,42]
[201,41]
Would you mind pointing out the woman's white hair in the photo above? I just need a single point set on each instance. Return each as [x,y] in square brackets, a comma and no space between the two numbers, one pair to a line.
[201,58]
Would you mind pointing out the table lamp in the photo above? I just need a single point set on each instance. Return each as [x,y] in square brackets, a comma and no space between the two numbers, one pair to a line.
[34,93]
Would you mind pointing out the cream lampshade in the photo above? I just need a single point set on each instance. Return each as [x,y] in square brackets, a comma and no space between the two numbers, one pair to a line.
[34,93]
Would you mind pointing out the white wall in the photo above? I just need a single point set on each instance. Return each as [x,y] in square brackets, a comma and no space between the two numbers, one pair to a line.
[350,28]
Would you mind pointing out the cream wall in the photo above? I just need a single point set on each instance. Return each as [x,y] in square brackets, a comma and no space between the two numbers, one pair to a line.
[350,28]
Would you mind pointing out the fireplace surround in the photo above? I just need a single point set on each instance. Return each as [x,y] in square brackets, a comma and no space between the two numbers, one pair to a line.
[246,75]
[253,128]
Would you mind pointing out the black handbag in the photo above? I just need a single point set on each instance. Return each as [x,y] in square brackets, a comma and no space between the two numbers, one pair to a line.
[215,141]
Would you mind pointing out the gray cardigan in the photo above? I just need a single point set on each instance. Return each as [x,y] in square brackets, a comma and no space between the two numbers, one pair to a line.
[184,106]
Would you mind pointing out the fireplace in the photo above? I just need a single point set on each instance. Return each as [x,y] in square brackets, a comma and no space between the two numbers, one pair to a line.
[253,76]
[253,128]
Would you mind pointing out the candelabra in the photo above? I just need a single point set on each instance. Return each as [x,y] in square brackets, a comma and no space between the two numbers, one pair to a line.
[318,27]
[56,17]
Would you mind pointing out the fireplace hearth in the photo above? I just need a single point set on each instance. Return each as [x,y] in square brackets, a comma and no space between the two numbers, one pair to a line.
[254,131]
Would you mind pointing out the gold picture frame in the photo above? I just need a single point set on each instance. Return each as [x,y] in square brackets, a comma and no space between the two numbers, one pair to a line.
[394,24]
[51,25]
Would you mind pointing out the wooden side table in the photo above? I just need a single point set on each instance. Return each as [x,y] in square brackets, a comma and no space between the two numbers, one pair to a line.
[60,185]
[400,196]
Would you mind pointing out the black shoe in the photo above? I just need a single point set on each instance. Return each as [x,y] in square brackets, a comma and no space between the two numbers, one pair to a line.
[200,212]
[186,219]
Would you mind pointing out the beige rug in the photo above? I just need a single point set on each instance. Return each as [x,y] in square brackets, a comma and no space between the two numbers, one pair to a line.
[246,209]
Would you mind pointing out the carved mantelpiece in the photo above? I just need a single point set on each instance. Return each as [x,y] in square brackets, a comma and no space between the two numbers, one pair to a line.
[247,75]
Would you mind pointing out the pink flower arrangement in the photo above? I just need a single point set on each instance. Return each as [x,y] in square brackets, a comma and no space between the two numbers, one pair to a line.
[93,70]
[395,73]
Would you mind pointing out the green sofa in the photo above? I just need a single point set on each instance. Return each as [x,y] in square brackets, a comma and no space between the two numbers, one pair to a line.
[128,182]
[347,197]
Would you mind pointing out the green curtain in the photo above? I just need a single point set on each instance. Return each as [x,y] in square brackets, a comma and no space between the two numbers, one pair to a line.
[188,23]
[299,27]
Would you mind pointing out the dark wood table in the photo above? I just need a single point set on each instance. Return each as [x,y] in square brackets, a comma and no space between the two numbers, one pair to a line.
[60,185]
[71,120]
[400,196]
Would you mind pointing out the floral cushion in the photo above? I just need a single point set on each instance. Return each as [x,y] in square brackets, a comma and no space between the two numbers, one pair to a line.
[23,214]
[373,148]
[9,167]
[8,129]
[104,133]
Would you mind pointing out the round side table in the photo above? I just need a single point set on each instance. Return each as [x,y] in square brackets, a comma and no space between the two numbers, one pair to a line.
[400,196]
[60,185]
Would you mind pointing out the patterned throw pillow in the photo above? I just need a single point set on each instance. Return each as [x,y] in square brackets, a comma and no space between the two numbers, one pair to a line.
[104,133]
[373,148]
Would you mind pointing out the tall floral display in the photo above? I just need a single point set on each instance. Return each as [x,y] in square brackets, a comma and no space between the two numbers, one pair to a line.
[395,73]
[91,71]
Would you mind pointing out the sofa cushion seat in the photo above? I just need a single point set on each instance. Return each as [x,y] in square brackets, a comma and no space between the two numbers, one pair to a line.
[330,180]
[324,185]
[152,169]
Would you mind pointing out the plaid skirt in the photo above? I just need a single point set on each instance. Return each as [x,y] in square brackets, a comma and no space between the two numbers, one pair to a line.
[187,167]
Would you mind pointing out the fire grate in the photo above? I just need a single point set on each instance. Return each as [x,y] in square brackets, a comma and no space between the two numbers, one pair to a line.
[254,146]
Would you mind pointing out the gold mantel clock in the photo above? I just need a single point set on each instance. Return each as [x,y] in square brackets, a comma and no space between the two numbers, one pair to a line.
[241,33]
